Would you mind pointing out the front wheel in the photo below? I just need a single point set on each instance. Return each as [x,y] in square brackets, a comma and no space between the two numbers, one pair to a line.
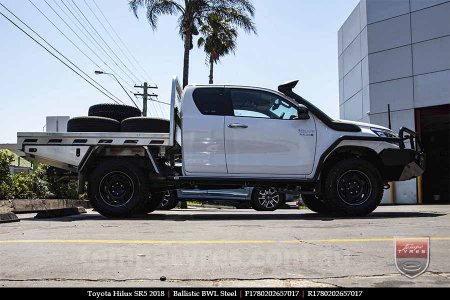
[118,188]
[267,199]
[353,187]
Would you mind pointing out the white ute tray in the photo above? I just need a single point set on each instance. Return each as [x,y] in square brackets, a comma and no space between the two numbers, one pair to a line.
[92,139]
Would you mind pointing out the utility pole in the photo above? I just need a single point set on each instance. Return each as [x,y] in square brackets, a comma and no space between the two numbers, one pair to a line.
[145,95]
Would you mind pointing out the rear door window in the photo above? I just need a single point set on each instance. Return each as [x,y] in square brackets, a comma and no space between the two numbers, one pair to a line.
[213,101]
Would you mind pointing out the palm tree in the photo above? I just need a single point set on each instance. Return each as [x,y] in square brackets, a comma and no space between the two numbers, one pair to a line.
[191,13]
[219,39]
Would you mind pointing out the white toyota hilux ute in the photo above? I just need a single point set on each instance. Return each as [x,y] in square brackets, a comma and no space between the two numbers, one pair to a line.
[222,136]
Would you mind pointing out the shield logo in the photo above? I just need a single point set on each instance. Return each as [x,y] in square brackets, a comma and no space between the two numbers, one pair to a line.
[412,255]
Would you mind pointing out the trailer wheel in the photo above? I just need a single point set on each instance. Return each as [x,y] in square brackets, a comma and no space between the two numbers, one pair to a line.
[118,188]
[316,204]
[353,187]
[267,199]
[142,124]
[92,124]
[114,111]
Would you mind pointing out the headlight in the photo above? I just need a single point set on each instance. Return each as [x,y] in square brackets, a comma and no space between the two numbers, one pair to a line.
[384,133]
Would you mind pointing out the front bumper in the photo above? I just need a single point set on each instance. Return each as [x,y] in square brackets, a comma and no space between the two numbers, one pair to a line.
[405,162]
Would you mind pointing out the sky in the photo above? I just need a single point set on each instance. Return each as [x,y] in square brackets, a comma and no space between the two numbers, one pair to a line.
[297,39]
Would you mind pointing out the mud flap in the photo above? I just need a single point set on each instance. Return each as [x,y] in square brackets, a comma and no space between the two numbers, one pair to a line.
[411,170]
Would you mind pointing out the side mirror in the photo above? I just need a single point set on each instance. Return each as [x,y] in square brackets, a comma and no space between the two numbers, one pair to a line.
[303,114]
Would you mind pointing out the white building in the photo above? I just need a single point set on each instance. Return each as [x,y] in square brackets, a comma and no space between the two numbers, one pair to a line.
[396,53]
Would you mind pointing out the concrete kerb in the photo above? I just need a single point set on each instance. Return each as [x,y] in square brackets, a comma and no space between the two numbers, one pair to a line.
[6,214]
[8,217]
[37,205]
[46,208]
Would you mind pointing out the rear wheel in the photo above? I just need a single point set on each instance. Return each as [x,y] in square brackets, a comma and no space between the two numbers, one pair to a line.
[118,188]
[267,199]
[316,204]
[353,187]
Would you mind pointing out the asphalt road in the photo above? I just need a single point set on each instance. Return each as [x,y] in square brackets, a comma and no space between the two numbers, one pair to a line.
[222,247]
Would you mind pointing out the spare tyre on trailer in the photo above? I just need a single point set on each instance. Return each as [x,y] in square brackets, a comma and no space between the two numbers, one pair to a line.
[143,124]
[93,124]
[114,111]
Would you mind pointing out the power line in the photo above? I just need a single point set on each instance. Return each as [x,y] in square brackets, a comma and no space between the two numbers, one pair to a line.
[48,19]
[76,25]
[75,45]
[81,16]
[113,39]
[106,43]
[45,48]
[90,38]
[81,39]
[155,105]
[159,107]
[123,43]
[93,40]
[153,108]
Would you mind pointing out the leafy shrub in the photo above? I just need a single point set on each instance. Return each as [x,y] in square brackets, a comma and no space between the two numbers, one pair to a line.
[30,185]
[22,185]
[6,179]
[34,185]
[40,185]
[63,189]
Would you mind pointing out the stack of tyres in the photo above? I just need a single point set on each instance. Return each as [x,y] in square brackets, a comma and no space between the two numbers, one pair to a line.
[116,118]
[142,124]
[103,118]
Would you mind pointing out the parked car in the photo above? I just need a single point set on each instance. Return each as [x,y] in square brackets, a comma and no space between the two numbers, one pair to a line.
[261,199]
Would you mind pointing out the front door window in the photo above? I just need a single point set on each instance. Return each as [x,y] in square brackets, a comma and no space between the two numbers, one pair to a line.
[260,104]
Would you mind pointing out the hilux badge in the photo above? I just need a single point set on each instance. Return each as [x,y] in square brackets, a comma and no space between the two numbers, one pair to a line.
[306,132]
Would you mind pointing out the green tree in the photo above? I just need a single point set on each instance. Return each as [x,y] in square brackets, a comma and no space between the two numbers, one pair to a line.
[218,39]
[192,13]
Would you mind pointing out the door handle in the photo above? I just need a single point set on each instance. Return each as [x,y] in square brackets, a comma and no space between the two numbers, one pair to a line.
[237,125]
